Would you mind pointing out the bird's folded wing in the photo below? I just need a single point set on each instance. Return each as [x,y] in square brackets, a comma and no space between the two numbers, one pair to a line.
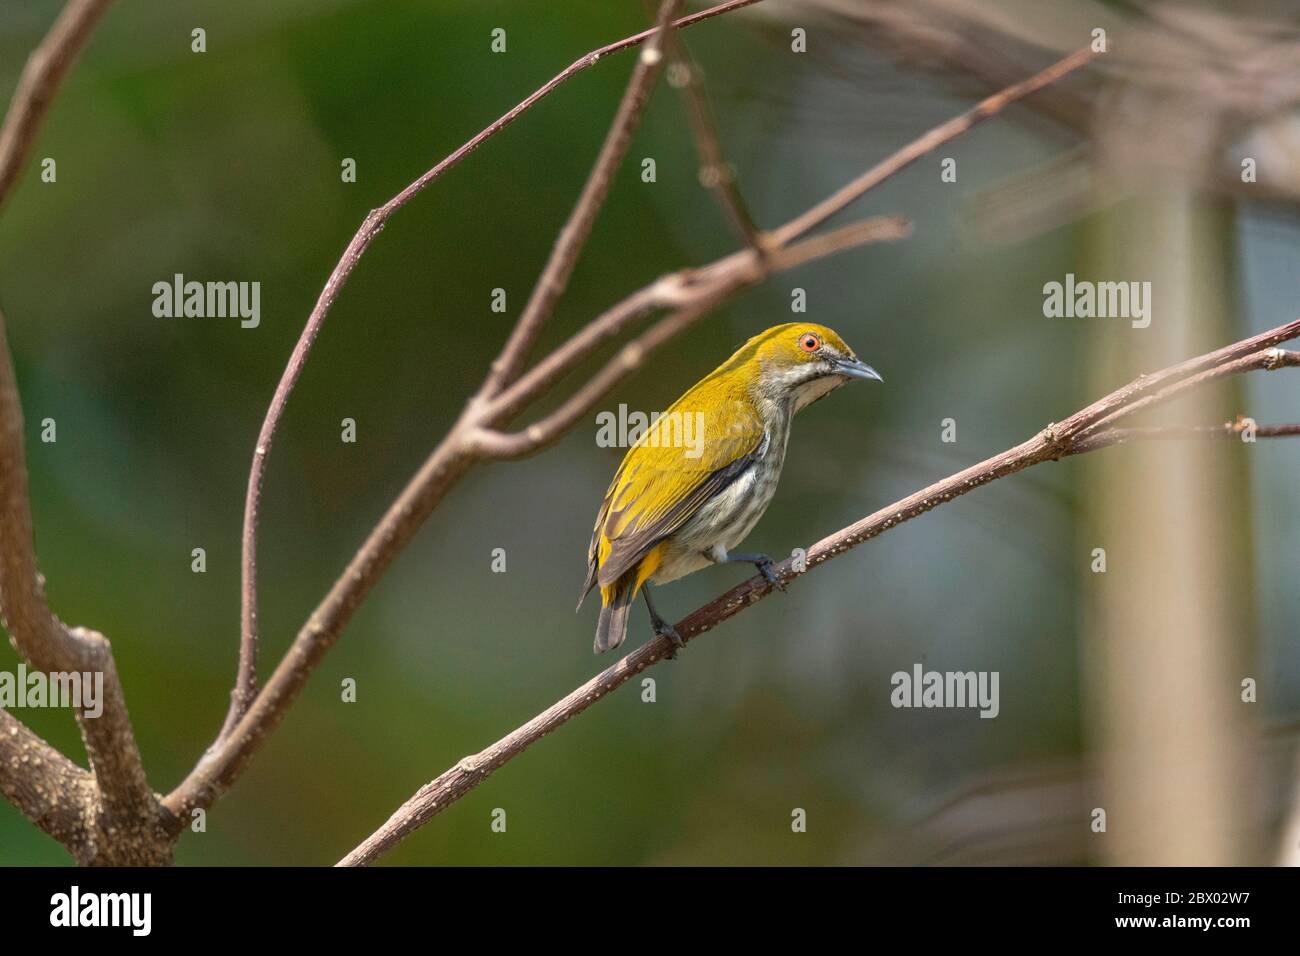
[658,489]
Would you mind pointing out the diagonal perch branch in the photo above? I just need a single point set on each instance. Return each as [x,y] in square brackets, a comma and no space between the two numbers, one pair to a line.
[1073,436]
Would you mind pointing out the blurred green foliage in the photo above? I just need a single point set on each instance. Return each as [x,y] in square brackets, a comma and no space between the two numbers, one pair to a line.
[226,165]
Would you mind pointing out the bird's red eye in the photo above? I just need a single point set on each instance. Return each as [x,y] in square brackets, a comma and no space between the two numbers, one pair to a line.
[810,342]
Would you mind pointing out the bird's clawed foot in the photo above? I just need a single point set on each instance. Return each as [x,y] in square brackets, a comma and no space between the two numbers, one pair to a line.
[766,569]
[663,629]
[765,566]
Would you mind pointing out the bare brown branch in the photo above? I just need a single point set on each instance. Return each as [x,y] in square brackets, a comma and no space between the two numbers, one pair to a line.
[932,140]
[40,80]
[1053,442]
[50,645]
[1261,358]
[1228,430]
[568,245]
[715,172]
[46,787]
[109,815]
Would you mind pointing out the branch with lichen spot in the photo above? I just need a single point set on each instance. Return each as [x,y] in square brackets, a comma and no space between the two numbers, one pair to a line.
[46,787]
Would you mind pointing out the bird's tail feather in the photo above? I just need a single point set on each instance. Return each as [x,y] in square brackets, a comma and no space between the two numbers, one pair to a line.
[611,628]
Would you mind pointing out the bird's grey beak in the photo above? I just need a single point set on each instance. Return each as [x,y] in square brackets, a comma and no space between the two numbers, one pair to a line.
[856,368]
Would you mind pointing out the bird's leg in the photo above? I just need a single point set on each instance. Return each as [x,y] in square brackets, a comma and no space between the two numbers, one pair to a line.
[661,627]
[760,561]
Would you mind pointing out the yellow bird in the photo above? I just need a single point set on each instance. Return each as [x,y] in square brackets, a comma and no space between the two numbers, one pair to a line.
[696,482]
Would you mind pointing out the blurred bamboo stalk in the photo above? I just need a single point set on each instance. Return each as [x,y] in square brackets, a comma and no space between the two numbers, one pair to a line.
[1163,635]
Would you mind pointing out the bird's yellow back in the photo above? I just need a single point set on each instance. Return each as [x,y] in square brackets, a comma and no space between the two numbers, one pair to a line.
[662,482]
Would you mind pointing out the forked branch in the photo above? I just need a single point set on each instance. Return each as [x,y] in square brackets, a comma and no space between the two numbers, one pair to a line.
[51,646]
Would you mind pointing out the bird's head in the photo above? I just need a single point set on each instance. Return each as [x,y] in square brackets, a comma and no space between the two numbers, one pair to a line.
[803,361]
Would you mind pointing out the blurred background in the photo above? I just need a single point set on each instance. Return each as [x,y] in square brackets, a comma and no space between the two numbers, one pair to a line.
[1119,690]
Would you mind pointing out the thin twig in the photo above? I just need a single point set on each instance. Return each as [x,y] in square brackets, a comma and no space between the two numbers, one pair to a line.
[1262,358]
[1238,431]
[245,688]
[1053,442]
[568,245]
[715,172]
[46,67]
[932,140]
